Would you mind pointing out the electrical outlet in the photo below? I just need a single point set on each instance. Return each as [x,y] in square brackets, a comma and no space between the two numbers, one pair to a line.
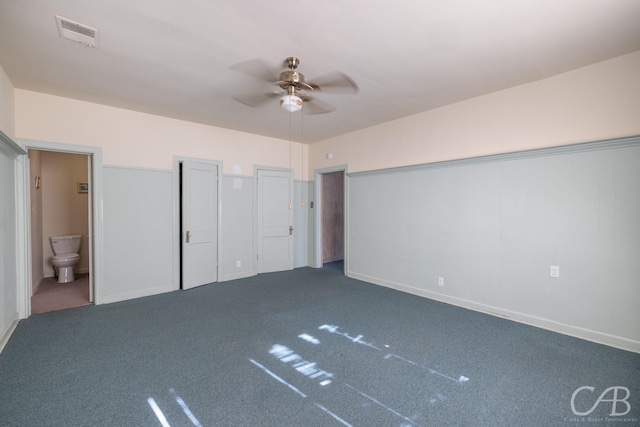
[440,281]
[554,271]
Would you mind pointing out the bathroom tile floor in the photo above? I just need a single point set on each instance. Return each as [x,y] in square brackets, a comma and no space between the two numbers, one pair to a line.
[52,296]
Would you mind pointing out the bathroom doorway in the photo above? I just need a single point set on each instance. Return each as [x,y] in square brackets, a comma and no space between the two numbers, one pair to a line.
[60,205]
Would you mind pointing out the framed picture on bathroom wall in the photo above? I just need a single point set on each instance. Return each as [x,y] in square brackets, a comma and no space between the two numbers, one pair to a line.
[83,187]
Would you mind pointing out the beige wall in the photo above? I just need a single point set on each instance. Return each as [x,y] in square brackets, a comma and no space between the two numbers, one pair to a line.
[6,105]
[597,102]
[129,138]
[35,197]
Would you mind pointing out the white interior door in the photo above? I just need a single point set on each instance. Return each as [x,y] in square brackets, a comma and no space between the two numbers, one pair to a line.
[275,221]
[199,224]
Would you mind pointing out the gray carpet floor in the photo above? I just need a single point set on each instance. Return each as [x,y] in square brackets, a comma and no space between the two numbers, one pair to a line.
[309,347]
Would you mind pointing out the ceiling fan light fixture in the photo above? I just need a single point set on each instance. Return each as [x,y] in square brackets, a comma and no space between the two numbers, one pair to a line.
[291,103]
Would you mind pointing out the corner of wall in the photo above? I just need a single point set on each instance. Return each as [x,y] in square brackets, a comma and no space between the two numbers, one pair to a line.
[7,105]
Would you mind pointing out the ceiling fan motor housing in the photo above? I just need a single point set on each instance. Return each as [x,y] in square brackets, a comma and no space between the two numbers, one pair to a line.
[292,78]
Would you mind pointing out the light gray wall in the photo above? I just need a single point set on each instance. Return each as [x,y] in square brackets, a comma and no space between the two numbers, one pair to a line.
[138,230]
[302,234]
[8,278]
[9,245]
[491,227]
[237,228]
[138,246]
[8,260]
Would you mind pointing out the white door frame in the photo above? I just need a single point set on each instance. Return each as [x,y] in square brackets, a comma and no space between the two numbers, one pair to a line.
[177,215]
[318,213]
[24,218]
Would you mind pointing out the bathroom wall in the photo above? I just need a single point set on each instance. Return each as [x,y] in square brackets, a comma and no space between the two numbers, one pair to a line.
[35,195]
[64,209]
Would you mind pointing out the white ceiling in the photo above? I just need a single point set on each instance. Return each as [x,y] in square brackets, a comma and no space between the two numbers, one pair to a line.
[175,58]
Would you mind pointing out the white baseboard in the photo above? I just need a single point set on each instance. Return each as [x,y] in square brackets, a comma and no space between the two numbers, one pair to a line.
[36,286]
[8,330]
[235,276]
[139,293]
[539,322]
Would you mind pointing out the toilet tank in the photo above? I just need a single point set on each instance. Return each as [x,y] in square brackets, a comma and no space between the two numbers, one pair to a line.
[66,244]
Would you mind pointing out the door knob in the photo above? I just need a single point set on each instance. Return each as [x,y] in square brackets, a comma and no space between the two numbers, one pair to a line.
[188,236]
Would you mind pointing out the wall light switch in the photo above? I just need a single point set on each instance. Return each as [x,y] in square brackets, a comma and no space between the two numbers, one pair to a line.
[440,281]
[554,271]
[238,264]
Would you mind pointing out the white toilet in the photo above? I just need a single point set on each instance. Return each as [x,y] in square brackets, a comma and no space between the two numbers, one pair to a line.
[66,250]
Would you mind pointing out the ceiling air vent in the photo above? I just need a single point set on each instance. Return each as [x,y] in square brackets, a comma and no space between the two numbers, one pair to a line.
[77,32]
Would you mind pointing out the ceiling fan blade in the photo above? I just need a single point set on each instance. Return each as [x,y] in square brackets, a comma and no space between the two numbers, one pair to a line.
[312,105]
[335,82]
[257,68]
[257,100]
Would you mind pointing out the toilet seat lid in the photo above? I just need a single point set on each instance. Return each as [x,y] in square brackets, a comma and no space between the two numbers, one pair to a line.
[66,257]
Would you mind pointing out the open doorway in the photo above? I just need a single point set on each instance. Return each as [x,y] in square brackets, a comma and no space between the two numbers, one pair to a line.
[332,215]
[60,206]
[330,218]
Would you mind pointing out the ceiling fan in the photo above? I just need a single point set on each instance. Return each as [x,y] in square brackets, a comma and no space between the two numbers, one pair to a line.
[294,89]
